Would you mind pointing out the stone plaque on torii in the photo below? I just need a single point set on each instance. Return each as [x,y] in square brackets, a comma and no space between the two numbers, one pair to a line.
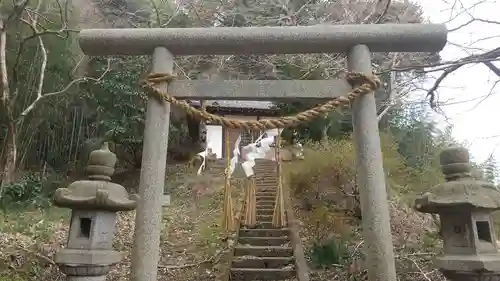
[163,44]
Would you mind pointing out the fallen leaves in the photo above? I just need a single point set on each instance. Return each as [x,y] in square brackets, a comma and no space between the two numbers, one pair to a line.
[191,242]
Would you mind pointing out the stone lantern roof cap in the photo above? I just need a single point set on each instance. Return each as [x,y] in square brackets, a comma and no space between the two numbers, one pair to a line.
[460,190]
[97,193]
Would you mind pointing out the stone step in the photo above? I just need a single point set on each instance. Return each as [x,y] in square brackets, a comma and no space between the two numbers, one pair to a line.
[264,241]
[264,218]
[266,193]
[262,274]
[265,225]
[263,251]
[266,188]
[262,262]
[264,206]
[267,203]
[265,211]
[260,232]
[267,184]
[259,197]
[271,190]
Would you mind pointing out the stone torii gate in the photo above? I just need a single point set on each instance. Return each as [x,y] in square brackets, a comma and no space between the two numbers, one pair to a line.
[355,40]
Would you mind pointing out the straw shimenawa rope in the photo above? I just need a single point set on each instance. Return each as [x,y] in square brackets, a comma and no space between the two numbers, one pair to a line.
[361,83]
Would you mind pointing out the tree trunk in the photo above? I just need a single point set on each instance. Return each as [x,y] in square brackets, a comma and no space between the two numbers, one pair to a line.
[326,128]
[324,137]
[203,127]
[10,155]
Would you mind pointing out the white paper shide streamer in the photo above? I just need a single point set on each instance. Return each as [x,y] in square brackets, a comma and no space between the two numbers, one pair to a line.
[203,155]
[236,155]
[258,150]
[234,160]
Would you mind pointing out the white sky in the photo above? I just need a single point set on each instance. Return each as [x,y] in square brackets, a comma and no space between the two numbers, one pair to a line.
[476,120]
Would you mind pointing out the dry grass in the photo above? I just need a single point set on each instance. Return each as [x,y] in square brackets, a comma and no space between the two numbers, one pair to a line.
[326,178]
[190,240]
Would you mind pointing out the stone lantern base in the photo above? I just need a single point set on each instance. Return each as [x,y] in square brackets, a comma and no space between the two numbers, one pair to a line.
[91,265]
[471,276]
[482,267]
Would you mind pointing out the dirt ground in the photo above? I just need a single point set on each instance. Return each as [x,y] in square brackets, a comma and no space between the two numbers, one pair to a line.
[191,243]
[413,238]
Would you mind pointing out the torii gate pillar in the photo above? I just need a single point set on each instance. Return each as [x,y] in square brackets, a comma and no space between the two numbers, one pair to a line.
[149,215]
[371,177]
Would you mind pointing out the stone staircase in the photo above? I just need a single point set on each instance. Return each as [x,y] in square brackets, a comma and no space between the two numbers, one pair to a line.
[218,166]
[264,253]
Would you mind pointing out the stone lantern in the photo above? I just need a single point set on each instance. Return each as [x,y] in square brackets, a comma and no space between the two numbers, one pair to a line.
[95,202]
[465,207]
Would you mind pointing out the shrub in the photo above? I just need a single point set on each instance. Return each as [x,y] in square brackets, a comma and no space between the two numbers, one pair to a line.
[328,173]
[328,253]
[31,190]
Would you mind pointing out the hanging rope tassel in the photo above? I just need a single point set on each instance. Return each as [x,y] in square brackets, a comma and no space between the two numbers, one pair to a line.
[250,204]
[228,216]
[279,219]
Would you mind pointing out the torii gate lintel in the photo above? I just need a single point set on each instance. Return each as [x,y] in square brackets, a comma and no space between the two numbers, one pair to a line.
[264,40]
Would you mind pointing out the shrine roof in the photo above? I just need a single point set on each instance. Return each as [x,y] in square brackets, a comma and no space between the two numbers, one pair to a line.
[266,105]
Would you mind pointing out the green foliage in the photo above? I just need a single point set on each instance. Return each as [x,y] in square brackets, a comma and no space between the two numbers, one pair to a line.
[415,132]
[430,239]
[328,253]
[9,278]
[116,103]
[29,191]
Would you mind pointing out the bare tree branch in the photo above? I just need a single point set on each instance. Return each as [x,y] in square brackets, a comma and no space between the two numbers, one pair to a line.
[63,33]
[66,88]
[43,67]
[431,93]
[492,67]
[472,21]
[382,12]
